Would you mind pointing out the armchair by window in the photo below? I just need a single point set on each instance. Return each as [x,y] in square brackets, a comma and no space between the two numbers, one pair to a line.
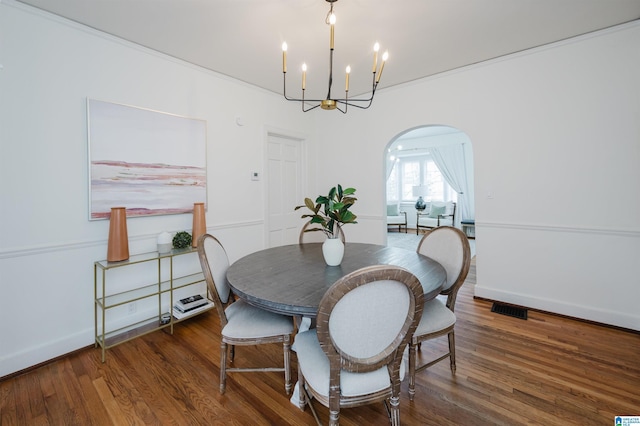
[395,217]
[438,213]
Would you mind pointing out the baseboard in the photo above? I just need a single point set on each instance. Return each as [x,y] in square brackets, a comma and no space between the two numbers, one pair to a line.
[619,320]
[43,363]
[30,358]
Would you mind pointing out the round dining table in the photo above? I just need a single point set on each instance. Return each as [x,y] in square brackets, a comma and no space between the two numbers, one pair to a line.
[292,279]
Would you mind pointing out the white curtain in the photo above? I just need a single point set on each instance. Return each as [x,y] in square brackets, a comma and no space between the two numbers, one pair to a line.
[451,161]
[390,165]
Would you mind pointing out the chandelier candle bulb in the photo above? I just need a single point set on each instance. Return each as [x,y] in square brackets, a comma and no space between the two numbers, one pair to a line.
[304,76]
[284,57]
[346,87]
[384,59]
[332,21]
[376,47]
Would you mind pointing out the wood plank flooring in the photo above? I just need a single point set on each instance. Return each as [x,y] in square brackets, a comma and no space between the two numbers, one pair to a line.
[547,370]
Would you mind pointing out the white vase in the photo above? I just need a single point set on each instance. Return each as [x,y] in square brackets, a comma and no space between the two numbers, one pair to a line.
[333,251]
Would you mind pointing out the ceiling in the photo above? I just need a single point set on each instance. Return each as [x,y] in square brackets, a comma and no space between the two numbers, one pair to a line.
[242,38]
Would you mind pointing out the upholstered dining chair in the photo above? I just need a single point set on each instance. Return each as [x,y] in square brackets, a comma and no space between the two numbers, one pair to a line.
[449,247]
[354,355]
[315,236]
[241,324]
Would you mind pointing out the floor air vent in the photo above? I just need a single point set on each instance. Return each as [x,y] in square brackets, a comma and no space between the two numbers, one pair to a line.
[511,311]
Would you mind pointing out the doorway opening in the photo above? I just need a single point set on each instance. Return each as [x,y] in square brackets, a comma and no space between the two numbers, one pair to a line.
[434,164]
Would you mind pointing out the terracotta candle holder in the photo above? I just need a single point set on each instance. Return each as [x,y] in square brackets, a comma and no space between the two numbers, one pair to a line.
[199,223]
[118,245]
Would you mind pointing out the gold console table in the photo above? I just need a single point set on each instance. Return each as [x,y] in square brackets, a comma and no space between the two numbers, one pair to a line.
[143,278]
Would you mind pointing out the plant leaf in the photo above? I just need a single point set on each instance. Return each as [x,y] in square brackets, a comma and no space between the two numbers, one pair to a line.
[332,193]
[309,203]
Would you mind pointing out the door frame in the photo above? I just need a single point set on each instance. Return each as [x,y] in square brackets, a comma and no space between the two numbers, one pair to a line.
[302,139]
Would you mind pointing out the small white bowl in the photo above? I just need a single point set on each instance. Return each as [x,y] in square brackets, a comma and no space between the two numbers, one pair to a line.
[164,248]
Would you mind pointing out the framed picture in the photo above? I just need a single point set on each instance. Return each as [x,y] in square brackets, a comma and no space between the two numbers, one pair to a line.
[150,162]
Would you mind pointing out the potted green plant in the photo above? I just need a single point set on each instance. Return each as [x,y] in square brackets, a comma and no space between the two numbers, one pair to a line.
[331,212]
[181,240]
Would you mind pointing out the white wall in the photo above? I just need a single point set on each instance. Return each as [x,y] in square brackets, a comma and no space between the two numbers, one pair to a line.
[556,141]
[47,244]
[554,133]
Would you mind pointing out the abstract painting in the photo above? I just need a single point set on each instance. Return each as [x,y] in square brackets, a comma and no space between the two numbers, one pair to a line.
[150,162]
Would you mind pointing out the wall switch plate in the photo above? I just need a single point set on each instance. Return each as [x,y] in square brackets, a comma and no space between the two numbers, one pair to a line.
[255,176]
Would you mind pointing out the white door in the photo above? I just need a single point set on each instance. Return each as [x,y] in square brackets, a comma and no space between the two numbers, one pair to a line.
[284,189]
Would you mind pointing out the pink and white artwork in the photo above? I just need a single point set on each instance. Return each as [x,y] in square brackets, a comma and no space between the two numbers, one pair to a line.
[152,163]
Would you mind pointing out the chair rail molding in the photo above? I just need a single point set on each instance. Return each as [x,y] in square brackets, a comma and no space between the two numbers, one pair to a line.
[79,245]
[555,228]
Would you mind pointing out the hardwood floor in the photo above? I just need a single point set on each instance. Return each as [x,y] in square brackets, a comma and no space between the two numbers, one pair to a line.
[546,370]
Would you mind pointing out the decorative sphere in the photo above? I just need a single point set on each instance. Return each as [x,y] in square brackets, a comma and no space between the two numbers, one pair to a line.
[182,240]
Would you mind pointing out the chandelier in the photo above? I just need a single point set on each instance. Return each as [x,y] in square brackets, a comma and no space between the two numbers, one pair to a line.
[330,103]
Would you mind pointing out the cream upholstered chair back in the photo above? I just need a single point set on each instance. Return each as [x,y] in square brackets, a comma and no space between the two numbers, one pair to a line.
[218,263]
[315,236]
[449,247]
[354,355]
[366,317]
[215,262]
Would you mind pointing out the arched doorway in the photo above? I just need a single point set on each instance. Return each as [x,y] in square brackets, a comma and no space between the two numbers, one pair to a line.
[432,161]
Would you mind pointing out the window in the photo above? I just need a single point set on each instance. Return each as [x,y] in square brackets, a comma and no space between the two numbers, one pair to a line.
[411,171]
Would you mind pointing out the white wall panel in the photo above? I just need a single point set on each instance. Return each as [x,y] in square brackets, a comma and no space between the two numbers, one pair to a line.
[47,245]
[556,142]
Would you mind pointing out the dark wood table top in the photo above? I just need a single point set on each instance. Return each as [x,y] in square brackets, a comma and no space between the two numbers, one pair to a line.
[292,279]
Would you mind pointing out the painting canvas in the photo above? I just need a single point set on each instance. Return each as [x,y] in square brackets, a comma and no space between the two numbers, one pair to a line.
[150,162]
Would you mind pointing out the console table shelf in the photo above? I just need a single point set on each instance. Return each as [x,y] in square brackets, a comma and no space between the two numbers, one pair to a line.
[160,282]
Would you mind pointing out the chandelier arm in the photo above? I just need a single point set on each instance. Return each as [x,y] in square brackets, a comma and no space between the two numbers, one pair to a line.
[309,109]
[369,100]
[340,101]
[350,100]
[303,102]
[284,87]
[346,103]
[284,93]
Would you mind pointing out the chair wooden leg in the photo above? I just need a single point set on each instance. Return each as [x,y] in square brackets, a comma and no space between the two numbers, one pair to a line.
[223,366]
[394,402]
[287,365]
[334,418]
[305,398]
[452,351]
[334,405]
[301,390]
[413,353]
